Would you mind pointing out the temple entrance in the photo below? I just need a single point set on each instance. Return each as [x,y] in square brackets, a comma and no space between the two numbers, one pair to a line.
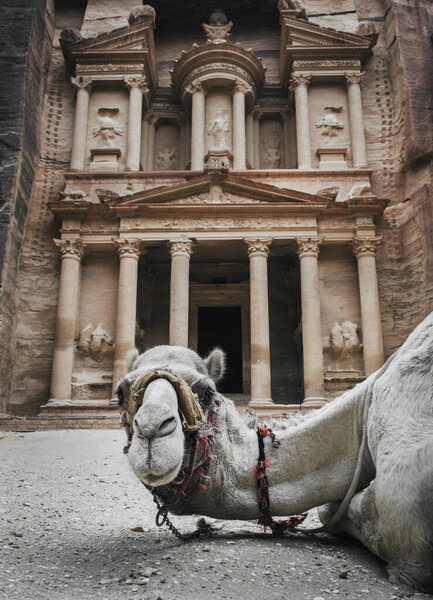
[221,326]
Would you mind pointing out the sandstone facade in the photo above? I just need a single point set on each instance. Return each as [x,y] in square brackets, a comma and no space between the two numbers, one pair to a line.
[344,132]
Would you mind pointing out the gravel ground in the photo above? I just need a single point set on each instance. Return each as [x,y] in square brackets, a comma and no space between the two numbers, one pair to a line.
[69,506]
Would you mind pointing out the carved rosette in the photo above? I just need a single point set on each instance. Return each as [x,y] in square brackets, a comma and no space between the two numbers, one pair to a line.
[366,246]
[180,248]
[259,247]
[82,83]
[308,246]
[70,248]
[135,81]
[128,248]
[299,80]
[354,78]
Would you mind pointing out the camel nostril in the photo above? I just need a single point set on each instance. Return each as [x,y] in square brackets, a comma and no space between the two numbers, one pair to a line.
[167,427]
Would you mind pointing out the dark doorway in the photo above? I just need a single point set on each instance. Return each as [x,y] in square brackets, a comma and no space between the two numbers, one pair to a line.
[221,326]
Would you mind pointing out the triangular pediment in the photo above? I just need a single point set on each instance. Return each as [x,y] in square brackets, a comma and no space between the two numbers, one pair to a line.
[216,189]
[302,33]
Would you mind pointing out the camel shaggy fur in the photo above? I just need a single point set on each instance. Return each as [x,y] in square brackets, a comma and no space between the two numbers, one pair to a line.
[392,511]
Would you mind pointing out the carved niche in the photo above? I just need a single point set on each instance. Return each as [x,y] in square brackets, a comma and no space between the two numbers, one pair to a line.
[271,144]
[167,147]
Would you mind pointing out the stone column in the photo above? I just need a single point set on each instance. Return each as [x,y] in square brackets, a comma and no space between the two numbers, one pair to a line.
[144,143]
[250,139]
[258,251]
[365,251]
[299,84]
[257,116]
[197,126]
[359,151]
[63,361]
[239,138]
[79,137]
[129,253]
[180,251]
[152,120]
[136,86]
[308,250]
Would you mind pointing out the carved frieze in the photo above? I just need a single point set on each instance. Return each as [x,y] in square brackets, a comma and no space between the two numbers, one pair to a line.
[320,64]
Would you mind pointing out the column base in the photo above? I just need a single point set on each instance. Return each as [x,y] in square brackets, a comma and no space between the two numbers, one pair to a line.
[314,402]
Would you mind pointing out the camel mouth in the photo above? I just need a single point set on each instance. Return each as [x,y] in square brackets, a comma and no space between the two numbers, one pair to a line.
[156,479]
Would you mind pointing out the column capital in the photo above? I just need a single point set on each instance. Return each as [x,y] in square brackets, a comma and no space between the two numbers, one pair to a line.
[70,248]
[366,246]
[151,117]
[299,80]
[241,86]
[128,248]
[258,247]
[136,81]
[308,246]
[81,82]
[196,87]
[354,78]
[180,247]
[257,112]
[286,113]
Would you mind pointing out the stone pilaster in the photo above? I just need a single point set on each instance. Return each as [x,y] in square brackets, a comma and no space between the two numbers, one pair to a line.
[197,126]
[136,86]
[308,250]
[180,251]
[365,251]
[63,361]
[258,251]
[299,84]
[129,253]
[79,136]
[359,151]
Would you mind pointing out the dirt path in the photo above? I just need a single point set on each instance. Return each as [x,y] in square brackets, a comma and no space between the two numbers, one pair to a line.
[69,504]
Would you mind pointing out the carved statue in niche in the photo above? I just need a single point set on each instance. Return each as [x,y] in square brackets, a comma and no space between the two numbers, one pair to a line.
[271,153]
[220,130]
[329,122]
[218,29]
[95,342]
[344,339]
[107,127]
[166,158]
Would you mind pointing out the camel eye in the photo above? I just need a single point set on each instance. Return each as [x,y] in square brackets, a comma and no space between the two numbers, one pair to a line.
[120,396]
[208,396]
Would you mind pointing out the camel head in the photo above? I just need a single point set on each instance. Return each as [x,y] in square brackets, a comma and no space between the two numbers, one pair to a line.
[157,449]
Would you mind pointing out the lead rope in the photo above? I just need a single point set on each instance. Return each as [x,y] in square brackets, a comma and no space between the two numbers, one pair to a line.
[162,519]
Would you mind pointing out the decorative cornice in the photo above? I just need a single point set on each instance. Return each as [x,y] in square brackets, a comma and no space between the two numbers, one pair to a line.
[134,81]
[308,246]
[299,80]
[258,247]
[128,248]
[180,247]
[81,82]
[366,246]
[354,78]
[70,248]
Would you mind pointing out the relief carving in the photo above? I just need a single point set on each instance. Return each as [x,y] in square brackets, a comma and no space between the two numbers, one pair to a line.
[95,342]
[344,339]
[220,130]
[107,127]
[218,29]
[271,153]
[166,159]
[329,122]
[359,190]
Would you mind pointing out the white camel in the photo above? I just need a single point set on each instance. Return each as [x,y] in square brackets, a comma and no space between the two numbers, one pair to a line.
[392,511]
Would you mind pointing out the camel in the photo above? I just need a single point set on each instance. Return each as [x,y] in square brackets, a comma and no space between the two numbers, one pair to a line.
[392,510]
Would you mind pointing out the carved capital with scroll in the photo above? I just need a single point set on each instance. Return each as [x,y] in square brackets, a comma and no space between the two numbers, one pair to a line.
[180,247]
[70,248]
[81,82]
[354,78]
[308,246]
[128,248]
[366,246]
[299,80]
[259,247]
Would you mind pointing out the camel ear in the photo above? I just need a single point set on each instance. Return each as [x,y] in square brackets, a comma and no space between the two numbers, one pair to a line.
[130,358]
[216,364]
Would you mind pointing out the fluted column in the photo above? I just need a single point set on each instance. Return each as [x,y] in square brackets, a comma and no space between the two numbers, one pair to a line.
[365,251]
[129,253]
[63,360]
[239,137]
[258,251]
[152,119]
[197,126]
[359,151]
[136,86]
[180,251]
[299,84]
[257,116]
[79,137]
[308,250]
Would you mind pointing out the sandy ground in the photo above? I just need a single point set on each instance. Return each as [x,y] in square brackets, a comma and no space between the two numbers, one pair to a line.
[69,503]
